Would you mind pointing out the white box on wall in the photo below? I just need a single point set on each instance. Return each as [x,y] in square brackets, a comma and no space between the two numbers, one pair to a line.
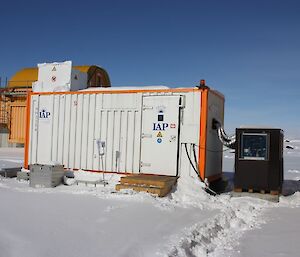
[59,77]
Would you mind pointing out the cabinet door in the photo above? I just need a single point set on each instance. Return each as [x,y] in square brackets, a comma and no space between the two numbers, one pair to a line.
[160,132]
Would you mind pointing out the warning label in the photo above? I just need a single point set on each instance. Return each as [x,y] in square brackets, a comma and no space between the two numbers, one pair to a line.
[159,134]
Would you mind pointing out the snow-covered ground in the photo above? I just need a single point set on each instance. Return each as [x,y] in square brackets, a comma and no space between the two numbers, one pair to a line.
[11,157]
[279,233]
[88,221]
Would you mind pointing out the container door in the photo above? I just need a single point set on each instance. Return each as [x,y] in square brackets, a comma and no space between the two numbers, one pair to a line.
[17,123]
[160,132]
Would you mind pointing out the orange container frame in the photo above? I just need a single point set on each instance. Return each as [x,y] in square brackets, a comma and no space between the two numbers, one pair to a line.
[202,154]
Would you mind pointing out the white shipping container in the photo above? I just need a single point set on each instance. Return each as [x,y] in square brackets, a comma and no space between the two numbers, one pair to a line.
[127,130]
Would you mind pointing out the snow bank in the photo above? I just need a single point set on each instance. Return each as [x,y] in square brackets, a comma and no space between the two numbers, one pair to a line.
[189,191]
[295,141]
[220,233]
[293,171]
[290,201]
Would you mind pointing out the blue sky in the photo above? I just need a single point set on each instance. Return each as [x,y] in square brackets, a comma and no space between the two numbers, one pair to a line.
[248,50]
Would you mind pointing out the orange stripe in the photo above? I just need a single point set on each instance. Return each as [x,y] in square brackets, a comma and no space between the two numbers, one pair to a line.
[126,91]
[102,171]
[203,133]
[26,154]
[120,172]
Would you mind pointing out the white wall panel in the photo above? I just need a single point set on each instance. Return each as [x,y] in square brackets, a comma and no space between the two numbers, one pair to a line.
[73,130]
[34,119]
[55,127]
[61,127]
[123,140]
[79,126]
[77,122]
[85,123]
[66,130]
[91,128]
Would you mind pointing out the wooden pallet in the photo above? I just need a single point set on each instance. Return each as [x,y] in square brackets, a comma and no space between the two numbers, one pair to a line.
[251,190]
[153,184]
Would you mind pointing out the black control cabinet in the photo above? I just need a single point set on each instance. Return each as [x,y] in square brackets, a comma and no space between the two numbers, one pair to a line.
[259,159]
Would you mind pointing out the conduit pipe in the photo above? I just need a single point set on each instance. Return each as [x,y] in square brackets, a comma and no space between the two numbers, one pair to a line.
[229,142]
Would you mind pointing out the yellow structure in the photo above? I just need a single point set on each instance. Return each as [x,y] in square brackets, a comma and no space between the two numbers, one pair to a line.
[97,77]
[13,97]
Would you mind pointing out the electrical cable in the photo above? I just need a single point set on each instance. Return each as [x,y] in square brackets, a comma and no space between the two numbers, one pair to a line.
[187,153]
[196,170]
[197,165]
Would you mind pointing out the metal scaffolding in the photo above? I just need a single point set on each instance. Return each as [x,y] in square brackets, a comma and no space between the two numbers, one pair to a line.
[8,96]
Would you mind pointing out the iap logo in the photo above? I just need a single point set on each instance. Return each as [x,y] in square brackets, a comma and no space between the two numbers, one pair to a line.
[44,114]
[160,126]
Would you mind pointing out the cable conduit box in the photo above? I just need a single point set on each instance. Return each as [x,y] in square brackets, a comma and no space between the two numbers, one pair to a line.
[46,175]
